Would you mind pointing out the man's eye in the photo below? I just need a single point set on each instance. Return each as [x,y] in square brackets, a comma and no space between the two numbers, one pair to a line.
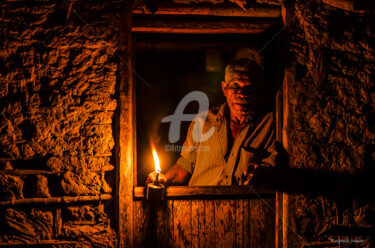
[234,87]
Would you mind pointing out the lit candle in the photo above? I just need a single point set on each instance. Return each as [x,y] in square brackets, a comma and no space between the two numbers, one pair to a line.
[157,165]
[155,191]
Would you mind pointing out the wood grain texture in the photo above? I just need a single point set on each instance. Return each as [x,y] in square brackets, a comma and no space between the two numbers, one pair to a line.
[165,224]
[205,223]
[141,224]
[209,191]
[246,223]
[209,224]
[225,223]
[195,223]
[239,223]
[230,224]
[219,223]
[269,221]
[202,26]
[182,223]
[262,223]
[224,9]
[56,200]
[125,130]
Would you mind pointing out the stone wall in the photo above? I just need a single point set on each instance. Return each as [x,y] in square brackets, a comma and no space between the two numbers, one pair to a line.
[57,102]
[332,133]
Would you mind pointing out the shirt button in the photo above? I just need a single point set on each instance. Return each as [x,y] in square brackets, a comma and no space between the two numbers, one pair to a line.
[226,176]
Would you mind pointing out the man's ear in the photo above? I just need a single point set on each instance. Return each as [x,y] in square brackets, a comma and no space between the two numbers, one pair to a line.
[223,84]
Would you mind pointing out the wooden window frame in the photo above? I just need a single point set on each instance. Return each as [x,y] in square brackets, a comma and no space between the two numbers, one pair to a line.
[126,142]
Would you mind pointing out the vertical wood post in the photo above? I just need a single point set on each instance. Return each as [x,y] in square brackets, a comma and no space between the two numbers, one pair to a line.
[285,124]
[279,193]
[126,129]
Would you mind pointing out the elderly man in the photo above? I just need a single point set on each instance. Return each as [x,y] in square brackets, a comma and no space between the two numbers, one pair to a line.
[242,146]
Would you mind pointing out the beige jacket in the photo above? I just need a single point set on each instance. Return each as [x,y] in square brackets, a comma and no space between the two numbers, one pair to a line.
[208,160]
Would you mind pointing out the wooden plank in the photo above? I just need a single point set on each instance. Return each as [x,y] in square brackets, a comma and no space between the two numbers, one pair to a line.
[125,130]
[230,224]
[209,191]
[225,223]
[203,26]
[279,220]
[206,9]
[269,222]
[170,223]
[56,200]
[182,223]
[202,240]
[209,223]
[165,224]
[219,223]
[46,172]
[262,223]
[256,216]
[43,243]
[239,223]
[161,227]
[288,121]
[246,223]
[189,44]
[195,223]
[141,224]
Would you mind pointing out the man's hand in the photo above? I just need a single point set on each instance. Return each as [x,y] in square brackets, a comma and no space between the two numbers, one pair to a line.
[249,173]
[152,176]
[174,176]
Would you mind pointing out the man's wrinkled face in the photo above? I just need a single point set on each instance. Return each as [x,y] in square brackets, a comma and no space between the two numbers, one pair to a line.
[242,95]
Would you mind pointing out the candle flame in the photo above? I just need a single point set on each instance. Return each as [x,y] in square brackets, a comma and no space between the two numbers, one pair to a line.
[156,160]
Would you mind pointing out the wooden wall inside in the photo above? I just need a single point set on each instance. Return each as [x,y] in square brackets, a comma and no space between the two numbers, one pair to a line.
[211,222]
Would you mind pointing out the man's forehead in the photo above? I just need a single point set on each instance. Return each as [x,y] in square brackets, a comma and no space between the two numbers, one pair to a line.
[240,80]
[243,79]
[242,70]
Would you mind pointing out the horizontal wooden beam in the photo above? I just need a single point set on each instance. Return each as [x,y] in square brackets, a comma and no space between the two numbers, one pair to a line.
[203,26]
[46,172]
[56,200]
[40,243]
[209,191]
[109,154]
[190,45]
[207,9]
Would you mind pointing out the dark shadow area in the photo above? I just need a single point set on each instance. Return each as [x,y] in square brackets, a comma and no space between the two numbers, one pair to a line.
[340,186]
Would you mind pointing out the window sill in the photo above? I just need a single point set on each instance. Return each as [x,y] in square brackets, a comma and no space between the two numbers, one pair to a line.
[172,192]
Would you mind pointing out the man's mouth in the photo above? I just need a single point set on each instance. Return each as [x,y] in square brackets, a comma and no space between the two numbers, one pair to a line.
[243,104]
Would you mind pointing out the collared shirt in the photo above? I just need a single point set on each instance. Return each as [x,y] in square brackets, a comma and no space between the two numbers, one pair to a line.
[206,153]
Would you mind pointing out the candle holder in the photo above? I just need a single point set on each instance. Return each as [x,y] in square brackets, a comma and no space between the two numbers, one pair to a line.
[155,190]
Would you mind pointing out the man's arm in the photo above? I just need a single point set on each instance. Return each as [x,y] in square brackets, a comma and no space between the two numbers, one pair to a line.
[174,176]
[181,172]
[262,173]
